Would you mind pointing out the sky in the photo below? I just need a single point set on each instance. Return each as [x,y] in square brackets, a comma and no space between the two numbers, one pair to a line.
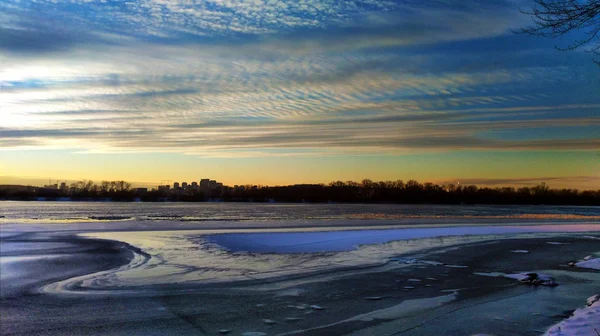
[292,91]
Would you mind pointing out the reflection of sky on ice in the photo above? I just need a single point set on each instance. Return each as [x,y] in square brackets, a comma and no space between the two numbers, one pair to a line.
[286,242]
[11,267]
[184,256]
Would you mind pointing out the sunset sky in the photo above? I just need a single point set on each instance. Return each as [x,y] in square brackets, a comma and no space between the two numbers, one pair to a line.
[292,91]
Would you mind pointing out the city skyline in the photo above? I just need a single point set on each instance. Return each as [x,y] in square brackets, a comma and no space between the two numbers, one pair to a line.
[284,92]
[554,182]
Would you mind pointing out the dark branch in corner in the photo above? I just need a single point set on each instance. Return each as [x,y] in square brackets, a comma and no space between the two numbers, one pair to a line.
[556,18]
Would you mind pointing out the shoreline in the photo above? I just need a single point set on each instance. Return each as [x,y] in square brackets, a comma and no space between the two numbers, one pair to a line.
[275,202]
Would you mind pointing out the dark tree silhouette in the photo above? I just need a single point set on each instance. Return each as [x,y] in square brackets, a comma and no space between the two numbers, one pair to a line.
[366,191]
[556,18]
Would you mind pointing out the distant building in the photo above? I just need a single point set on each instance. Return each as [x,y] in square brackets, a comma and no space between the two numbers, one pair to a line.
[219,185]
[141,190]
[194,185]
[212,184]
[204,184]
[63,186]
[184,185]
[176,185]
[164,187]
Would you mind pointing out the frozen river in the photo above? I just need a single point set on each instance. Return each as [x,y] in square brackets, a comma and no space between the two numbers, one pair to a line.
[154,253]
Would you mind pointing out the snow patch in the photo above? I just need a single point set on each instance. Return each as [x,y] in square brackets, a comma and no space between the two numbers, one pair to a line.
[293,319]
[593,299]
[456,266]
[519,251]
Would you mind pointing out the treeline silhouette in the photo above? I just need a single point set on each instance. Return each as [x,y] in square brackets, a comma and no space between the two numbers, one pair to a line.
[366,191]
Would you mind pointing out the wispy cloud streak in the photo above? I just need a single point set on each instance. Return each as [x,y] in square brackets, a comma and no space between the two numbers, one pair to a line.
[262,78]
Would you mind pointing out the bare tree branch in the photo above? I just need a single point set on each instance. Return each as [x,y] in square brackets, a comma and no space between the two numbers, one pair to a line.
[556,18]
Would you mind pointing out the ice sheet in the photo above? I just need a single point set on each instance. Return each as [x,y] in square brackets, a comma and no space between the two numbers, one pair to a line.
[189,256]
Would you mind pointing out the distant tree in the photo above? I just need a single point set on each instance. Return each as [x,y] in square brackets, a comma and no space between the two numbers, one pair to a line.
[105,186]
[352,184]
[556,18]
[338,184]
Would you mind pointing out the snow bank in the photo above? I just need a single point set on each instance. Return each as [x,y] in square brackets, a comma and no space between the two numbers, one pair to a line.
[584,321]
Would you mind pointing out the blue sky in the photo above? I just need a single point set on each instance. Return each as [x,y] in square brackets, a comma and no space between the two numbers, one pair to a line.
[313,86]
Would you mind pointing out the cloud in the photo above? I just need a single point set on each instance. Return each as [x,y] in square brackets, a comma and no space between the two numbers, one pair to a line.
[309,77]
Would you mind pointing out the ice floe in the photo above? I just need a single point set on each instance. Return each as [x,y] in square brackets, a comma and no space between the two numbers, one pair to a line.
[529,278]
[405,308]
[593,263]
[533,279]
